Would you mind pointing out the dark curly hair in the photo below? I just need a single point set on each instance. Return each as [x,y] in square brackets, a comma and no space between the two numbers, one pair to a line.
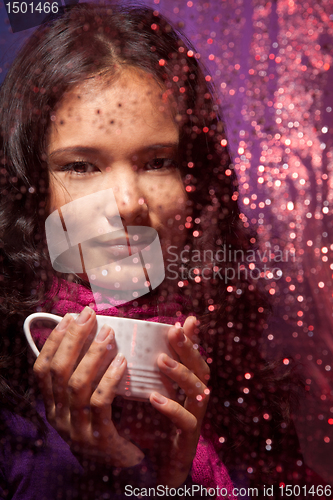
[87,40]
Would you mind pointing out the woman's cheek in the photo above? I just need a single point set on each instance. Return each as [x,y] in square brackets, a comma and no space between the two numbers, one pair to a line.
[58,195]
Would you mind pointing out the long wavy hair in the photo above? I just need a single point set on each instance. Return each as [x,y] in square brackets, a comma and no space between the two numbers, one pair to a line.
[249,403]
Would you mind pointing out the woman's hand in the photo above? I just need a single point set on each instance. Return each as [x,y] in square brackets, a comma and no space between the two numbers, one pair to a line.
[78,393]
[175,457]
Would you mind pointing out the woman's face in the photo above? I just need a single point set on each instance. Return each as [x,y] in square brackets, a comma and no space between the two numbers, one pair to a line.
[119,140]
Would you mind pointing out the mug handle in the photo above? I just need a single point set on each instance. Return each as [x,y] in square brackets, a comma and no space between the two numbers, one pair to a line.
[30,319]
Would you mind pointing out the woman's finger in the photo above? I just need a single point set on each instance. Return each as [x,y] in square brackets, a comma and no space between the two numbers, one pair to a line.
[81,383]
[184,444]
[185,378]
[103,396]
[122,452]
[42,365]
[188,353]
[191,328]
[65,358]
[196,391]
[179,416]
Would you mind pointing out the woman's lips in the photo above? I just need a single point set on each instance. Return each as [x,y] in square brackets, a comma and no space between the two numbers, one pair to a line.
[125,245]
[134,240]
[122,251]
[116,245]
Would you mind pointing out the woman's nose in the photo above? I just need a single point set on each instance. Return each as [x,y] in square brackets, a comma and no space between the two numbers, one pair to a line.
[129,198]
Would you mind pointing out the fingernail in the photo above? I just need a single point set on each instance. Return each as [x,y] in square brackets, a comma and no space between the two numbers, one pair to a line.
[103,334]
[180,335]
[161,400]
[118,360]
[169,362]
[64,323]
[84,316]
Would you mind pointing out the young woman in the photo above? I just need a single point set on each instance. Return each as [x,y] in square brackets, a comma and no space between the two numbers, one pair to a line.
[113,98]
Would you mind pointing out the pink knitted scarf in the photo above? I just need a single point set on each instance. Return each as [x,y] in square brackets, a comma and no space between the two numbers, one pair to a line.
[71,297]
[65,297]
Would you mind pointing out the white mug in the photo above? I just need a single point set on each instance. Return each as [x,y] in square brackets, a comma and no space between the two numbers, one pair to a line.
[140,342]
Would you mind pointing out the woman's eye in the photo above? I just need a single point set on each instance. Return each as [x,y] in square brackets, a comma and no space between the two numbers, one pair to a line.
[80,168]
[159,163]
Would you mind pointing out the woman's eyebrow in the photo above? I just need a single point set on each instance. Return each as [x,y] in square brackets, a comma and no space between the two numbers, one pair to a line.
[85,150]
[173,145]
[79,150]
